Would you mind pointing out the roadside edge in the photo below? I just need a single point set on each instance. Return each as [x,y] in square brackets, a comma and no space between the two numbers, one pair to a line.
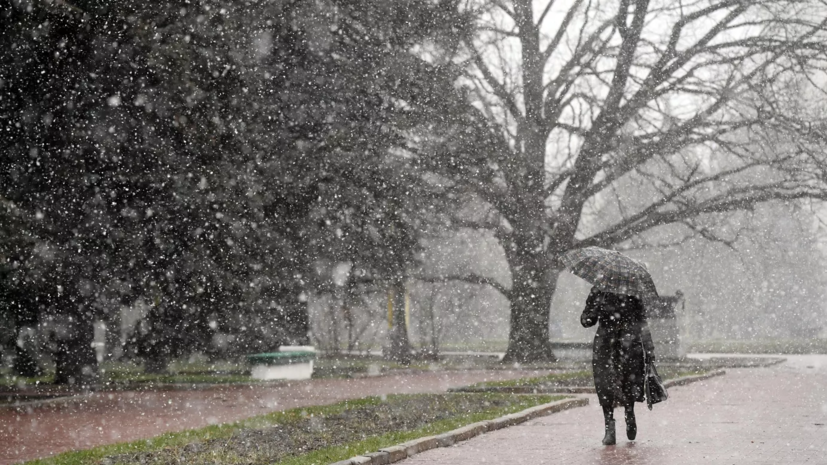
[402,451]
[684,380]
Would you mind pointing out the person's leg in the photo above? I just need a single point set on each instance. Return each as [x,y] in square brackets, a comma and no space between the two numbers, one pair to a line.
[608,413]
[609,437]
[605,380]
[631,424]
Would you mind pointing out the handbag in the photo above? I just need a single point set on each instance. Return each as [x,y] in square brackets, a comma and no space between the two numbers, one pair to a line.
[653,386]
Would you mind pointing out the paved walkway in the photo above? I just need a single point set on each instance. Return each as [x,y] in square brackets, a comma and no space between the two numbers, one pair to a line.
[753,416]
[110,417]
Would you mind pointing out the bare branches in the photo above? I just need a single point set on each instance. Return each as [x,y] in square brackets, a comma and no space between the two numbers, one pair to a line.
[485,224]
[740,198]
[468,278]
[631,35]
[653,93]
[561,31]
[686,185]
[498,88]
[545,12]
[556,182]
[502,6]
[671,141]
[557,89]
[672,60]
[497,30]
[710,235]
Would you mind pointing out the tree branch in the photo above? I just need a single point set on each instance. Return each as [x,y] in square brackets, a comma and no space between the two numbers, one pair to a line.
[545,12]
[503,7]
[468,278]
[499,89]
[561,32]
[603,236]
[556,183]
[732,200]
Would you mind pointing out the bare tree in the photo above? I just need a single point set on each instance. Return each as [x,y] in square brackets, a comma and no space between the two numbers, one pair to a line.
[570,100]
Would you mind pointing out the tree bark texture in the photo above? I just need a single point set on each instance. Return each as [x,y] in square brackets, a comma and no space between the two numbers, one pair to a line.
[399,347]
[531,293]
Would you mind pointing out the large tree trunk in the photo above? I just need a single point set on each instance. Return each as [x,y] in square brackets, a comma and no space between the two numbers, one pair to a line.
[531,294]
[399,347]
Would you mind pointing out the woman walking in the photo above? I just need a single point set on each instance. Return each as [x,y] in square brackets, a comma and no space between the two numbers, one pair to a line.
[621,341]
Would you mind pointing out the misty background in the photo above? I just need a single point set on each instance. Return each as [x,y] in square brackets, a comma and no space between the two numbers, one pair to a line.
[769,282]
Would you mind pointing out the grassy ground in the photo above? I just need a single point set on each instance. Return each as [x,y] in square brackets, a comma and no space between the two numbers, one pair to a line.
[584,377]
[128,375]
[121,375]
[757,346]
[494,345]
[345,367]
[131,375]
[313,435]
[575,378]
[554,380]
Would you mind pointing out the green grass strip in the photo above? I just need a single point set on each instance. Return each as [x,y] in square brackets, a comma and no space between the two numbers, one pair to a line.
[319,456]
[180,378]
[665,372]
[94,455]
[373,444]
[552,378]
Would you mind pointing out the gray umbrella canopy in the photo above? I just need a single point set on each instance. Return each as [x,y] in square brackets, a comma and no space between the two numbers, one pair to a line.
[610,271]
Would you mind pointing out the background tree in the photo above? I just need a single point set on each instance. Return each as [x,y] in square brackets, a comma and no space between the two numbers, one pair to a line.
[61,77]
[18,309]
[568,100]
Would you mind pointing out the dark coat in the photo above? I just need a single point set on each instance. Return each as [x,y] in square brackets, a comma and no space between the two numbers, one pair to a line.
[622,336]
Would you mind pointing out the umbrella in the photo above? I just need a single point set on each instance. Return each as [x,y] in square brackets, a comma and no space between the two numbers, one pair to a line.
[611,271]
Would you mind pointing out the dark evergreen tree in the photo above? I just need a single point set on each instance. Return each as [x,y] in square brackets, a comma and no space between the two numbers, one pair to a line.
[203,155]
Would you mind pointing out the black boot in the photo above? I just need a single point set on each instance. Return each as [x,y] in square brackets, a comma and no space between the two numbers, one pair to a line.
[609,439]
[631,425]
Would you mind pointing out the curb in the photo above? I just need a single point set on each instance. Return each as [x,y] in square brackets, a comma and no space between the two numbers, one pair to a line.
[402,451]
[584,390]
[769,363]
[55,401]
[684,380]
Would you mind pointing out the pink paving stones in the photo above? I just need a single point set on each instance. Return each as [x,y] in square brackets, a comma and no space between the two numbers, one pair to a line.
[749,416]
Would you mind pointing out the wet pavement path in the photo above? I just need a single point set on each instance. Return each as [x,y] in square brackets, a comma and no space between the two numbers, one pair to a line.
[753,416]
[111,417]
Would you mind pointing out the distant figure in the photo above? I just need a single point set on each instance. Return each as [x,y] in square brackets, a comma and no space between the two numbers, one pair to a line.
[665,306]
[663,322]
[621,341]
